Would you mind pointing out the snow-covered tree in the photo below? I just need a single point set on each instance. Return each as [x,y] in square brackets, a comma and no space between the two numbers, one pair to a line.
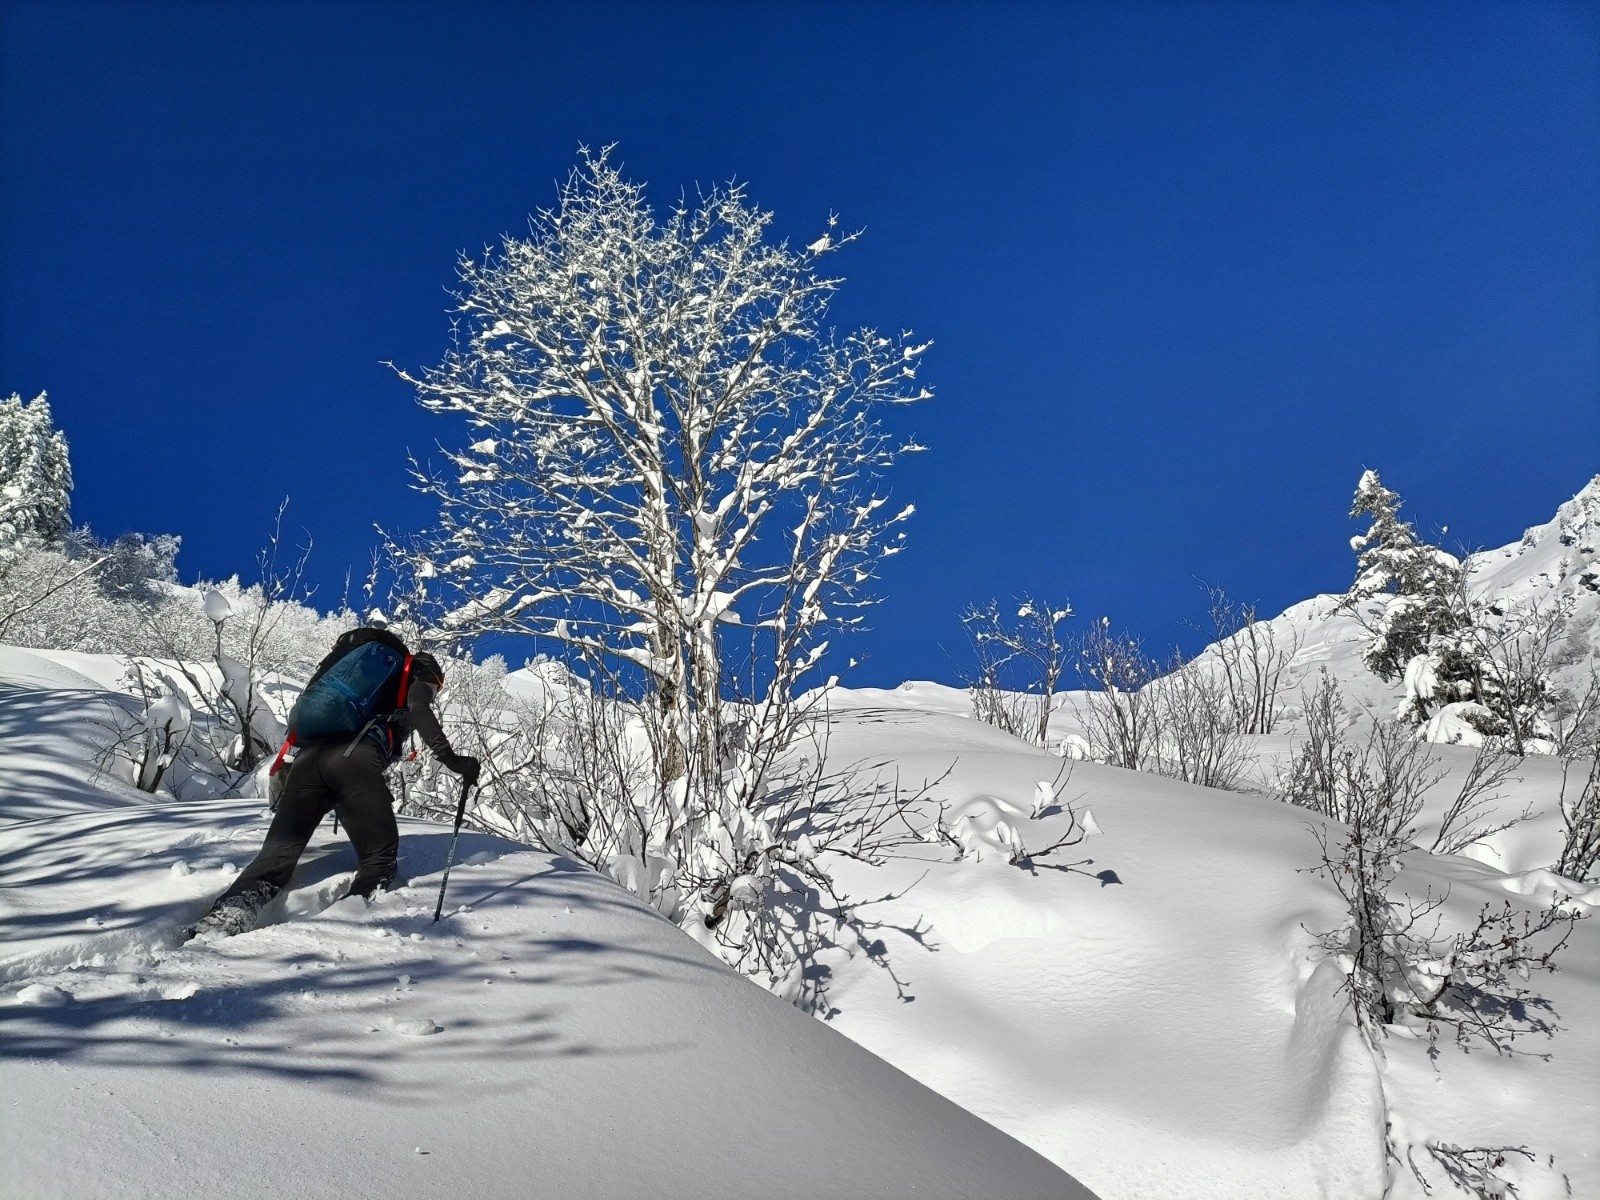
[35,476]
[675,473]
[671,445]
[1416,586]
[1472,667]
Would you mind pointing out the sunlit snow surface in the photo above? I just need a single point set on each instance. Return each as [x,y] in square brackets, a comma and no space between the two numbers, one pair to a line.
[1154,1020]
[549,1038]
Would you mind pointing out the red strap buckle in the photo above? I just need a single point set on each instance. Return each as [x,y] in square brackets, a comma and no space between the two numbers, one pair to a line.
[278,762]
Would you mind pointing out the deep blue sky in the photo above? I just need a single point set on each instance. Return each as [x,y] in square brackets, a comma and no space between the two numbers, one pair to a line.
[1188,267]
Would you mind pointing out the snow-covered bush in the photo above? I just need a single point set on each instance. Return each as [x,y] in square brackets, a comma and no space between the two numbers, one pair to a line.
[135,567]
[1118,715]
[1401,966]
[1253,657]
[573,766]
[1472,1169]
[1579,803]
[49,598]
[989,827]
[1359,771]
[149,744]
[232,651]
[675,477]
[1020,659]
[1397,962]
[1494,675]
[1181,722]
[1198,735]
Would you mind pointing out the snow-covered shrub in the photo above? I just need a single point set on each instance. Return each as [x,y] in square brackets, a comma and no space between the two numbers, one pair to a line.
[49,599]
[1254,661]
[1574,719]
[1361,772]
[1397,962]
[1020,659]
[1181,722]
[1401,966]
[150,744]
[990,828]
[1515,651]
[237,649]
[1579,859]
[1119,715]
[1198,738]
[1471,1169]
[1311,778]
[572,766]
[136,567]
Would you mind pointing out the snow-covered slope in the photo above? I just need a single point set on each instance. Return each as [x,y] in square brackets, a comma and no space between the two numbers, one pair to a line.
[550,1037]
[1153,1019]
[1146,1011]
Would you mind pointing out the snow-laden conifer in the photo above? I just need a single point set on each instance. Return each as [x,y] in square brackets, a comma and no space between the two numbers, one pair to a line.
[1472,666]
[1406,589]
[35,476]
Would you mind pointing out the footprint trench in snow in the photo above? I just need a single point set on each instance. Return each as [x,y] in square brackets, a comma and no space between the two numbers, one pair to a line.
[202,983]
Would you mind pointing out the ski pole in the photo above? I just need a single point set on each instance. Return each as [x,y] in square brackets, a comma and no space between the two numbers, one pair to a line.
[450,858]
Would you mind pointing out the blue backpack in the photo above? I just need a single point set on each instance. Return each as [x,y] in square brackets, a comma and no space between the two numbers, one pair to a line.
[360,685]
[352,694]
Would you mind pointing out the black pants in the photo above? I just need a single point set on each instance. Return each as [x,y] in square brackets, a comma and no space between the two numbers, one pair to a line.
[324,779]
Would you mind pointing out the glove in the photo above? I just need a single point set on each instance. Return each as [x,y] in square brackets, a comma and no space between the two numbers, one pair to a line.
[465,766]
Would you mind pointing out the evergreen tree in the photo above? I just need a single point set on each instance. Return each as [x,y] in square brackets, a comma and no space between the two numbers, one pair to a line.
[1429,630]
[35,475]
[1420,586]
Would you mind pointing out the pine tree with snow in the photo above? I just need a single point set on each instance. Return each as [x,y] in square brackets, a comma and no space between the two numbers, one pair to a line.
[1409,592]
[1471,668]
[35,476]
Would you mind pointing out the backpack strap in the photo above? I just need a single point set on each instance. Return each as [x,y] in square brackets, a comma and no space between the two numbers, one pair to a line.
[405,684]
[356,741]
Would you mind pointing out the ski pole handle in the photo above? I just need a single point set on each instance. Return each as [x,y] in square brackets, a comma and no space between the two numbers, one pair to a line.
[450,858]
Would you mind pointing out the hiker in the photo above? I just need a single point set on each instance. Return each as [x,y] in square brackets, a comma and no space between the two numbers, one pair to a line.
[351,722]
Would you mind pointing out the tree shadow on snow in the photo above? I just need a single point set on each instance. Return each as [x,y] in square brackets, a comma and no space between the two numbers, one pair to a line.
[34,717]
